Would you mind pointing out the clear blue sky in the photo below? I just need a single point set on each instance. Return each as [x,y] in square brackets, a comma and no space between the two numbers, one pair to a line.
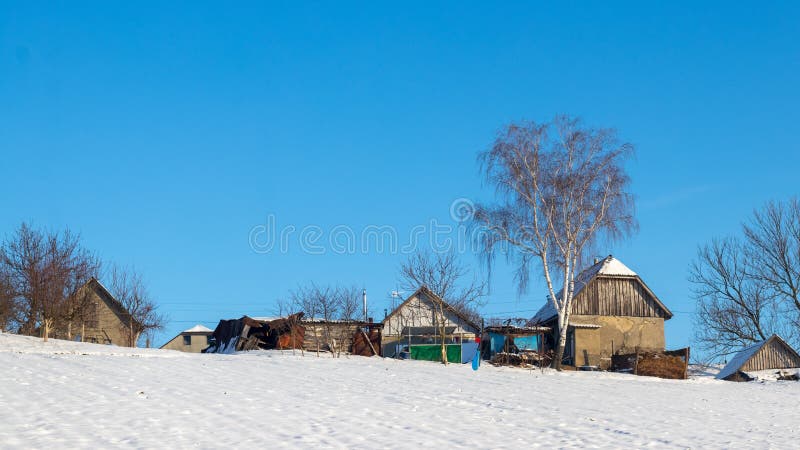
[165,132]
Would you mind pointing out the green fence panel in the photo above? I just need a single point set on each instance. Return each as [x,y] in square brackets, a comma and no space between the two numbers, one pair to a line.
[434,353]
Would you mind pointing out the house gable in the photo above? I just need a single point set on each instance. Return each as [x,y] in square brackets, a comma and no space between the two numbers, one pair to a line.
[107,319]
[618,296]
[609,288]
[419,310]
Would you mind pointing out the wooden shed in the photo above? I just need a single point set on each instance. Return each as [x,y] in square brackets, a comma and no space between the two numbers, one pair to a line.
[773,353]
[613,311]
[342,336]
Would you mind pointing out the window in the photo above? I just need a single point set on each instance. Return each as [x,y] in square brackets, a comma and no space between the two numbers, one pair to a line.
[208,339]
[187,339]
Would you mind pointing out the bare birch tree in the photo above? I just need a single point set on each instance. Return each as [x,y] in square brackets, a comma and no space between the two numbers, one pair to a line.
[448,278]
[563,189]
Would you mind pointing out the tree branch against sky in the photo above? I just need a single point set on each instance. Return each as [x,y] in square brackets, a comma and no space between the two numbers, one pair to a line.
[748,287]
[562,188]
[142,314]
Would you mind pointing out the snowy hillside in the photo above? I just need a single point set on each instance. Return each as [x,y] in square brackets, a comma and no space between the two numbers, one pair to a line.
[61,394]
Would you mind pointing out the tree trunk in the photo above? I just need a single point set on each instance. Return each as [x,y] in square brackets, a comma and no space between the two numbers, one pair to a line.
[560,346]
[46,329]
[83,332]
[444,346]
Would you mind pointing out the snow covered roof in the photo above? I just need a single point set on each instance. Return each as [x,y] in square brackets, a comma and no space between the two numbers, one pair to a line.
[198,329]
[608,266]
[741,358]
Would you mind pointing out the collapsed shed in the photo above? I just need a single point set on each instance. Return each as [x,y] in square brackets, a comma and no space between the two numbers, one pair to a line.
[294,332]
[772,353]
[247,333]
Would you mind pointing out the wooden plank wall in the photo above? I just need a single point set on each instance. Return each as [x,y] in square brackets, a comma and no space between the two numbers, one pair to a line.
[772,356]
[616,297]
[342,333]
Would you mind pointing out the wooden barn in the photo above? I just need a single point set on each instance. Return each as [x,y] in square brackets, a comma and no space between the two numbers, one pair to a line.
[613,311]
[413,330]
[773,353]
[103,321]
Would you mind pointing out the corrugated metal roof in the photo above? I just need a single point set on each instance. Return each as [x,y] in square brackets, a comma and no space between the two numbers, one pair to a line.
[739,359]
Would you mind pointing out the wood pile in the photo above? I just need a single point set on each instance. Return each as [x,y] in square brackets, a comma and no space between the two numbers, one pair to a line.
[671,364]
[521,359]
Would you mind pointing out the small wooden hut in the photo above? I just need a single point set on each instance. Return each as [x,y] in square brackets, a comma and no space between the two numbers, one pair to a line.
[773,353]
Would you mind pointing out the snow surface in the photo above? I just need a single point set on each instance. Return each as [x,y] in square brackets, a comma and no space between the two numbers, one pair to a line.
[71,395]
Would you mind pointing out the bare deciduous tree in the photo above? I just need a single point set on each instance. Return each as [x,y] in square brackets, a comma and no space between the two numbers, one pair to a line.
[10,309]
[748,287]
[328,304]
[734,308]
[45,271]
[773,236]
[142,315]
[563,189]
[446,277]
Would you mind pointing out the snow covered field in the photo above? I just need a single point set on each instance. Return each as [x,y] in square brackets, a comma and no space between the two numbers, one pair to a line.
[71,395]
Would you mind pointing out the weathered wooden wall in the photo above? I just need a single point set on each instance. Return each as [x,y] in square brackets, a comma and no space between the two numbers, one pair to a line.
[103,326]
[320,334]
[616,297]
[772,356]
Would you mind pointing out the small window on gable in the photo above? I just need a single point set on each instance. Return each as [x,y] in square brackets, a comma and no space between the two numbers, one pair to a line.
[187,339]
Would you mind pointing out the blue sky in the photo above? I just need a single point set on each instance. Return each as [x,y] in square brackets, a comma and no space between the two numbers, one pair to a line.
[165,133]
